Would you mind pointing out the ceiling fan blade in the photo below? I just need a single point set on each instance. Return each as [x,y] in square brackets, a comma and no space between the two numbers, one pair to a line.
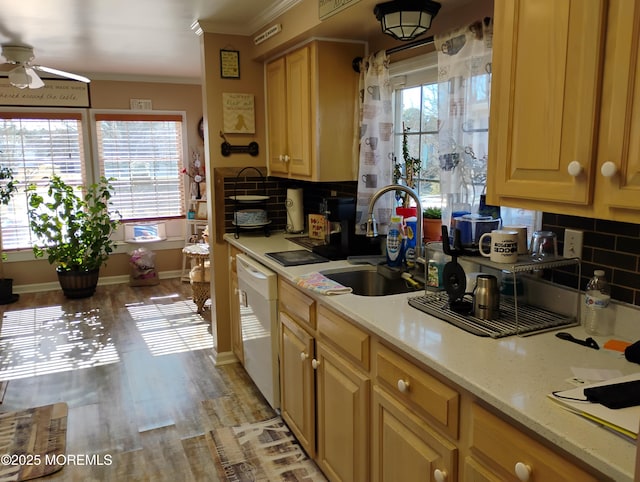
[62,73]
[36,82]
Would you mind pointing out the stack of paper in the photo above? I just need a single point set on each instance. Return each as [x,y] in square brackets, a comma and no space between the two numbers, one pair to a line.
[624,421]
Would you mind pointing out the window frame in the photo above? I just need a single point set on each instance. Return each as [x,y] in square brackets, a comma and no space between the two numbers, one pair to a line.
[93,113]
[175,228]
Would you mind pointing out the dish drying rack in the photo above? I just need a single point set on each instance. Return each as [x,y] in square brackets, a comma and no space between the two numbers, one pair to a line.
[244,200]
[515,318]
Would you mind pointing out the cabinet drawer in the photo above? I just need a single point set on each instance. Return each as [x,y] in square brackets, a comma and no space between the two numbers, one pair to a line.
[421,391]
[354,343]
[296,303]
[505,446]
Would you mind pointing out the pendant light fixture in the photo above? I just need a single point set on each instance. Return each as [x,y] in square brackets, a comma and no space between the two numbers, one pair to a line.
[406,19]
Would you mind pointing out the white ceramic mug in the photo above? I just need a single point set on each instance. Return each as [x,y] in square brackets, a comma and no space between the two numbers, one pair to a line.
[521,229]
[504,246]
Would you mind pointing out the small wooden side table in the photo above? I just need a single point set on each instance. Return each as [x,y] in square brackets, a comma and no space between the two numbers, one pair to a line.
[201,289]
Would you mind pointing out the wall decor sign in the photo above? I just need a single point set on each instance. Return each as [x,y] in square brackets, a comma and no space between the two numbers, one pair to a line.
[238,114]
[230,64]
[55,93]
[327,8]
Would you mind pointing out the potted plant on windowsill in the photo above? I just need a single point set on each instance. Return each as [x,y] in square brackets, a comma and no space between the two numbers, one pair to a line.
[8,186]
[75,231]
[432,224]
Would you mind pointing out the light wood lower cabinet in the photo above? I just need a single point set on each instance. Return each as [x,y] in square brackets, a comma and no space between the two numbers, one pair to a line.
[342,417]
[366,412]
[325,394]
[500,448]
[297,383]
[405,447]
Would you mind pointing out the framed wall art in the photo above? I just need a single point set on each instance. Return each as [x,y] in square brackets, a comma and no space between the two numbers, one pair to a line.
[238,113]
[229,64]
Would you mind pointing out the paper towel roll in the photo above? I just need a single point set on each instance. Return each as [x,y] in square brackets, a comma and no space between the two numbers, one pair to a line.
[295,211]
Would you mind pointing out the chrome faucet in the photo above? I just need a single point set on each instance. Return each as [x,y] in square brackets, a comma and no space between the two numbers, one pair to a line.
[372,225]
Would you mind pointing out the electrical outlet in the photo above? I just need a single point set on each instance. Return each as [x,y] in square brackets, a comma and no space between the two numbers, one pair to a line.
[573,239]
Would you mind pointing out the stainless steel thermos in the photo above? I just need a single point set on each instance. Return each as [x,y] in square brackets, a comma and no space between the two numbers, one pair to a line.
[486,299]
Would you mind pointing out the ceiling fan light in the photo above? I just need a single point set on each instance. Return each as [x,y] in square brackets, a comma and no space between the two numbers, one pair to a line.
[19,77]
[406,19]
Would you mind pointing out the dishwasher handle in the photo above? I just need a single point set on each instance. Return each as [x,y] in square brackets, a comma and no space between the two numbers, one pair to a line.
[252,270]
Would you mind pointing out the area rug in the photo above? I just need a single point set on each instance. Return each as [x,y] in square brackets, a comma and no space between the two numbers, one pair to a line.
[261,451]
[32,442]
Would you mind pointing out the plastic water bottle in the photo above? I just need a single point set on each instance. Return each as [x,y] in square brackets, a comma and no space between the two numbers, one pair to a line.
[599,318]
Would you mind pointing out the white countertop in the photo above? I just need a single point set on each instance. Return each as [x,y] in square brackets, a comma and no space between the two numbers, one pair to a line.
[513,374]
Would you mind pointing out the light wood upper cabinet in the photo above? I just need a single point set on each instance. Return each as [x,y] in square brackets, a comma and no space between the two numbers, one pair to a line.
[311,101]
[619,139]
[544,97]
[564,102]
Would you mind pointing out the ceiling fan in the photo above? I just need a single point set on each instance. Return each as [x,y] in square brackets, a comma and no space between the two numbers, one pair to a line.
[22,73]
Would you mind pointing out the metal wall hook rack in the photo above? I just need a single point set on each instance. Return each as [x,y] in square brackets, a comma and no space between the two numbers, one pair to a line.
[227,149]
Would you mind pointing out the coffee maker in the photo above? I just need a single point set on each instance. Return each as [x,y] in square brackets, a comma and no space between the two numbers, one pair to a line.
[340,217]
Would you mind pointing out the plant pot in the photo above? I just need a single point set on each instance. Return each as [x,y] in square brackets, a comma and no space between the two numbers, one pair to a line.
[78,284]
[6,292]
[431,229]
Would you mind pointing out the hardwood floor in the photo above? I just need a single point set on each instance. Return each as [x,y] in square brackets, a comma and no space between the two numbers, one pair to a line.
[134,365]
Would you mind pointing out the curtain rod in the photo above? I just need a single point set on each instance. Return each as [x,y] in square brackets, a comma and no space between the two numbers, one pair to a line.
[417,43]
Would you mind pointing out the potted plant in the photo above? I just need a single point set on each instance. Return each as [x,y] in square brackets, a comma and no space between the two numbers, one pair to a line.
[75,231]
[432,224]
[408,171]
[8,186]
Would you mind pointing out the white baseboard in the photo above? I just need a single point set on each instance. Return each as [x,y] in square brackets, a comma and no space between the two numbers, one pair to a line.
[102,281]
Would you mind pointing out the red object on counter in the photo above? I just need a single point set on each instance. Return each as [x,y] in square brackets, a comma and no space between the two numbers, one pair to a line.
[407,212]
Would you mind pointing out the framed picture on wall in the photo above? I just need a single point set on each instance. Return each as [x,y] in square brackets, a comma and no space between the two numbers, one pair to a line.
[229,64]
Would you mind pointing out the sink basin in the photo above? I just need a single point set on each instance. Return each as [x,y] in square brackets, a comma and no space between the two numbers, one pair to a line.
[368,282]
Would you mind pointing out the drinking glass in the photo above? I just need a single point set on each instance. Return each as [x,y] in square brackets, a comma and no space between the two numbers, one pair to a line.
[544,245]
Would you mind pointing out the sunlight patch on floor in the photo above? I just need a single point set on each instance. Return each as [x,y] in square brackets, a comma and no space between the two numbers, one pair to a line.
[43,340]
[172,327]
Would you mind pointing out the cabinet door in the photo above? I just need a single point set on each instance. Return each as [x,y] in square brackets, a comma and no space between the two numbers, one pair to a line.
[404,446]
[299,112]
[297,389]
[343,418]
[545,92]
[277,116]
[619,141]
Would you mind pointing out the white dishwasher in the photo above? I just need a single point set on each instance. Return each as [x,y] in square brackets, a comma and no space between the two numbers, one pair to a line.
[258,292]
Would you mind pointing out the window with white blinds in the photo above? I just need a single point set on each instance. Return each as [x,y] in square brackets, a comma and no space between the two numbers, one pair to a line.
[144,154]
[35,146]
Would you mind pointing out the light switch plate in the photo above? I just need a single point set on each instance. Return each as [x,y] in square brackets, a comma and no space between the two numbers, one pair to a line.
[573,239]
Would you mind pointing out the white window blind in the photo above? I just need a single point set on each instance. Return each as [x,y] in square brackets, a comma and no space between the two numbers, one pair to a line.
[144,153]
[36,146]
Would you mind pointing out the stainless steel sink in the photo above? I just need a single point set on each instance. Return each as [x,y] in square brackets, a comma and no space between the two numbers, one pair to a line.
[369,282]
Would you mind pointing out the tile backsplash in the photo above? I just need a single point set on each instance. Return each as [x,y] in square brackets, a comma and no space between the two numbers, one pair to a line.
[251,182]
[608,245]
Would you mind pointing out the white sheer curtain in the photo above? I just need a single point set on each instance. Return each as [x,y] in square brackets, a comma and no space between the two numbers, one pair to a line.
[464,84]
[376,140]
